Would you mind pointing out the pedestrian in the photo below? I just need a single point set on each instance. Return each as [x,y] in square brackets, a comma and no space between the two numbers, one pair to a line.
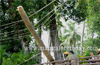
[98,53]
[65,55]
[73,56]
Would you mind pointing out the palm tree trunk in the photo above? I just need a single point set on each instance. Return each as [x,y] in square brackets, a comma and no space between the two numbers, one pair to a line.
[81,52]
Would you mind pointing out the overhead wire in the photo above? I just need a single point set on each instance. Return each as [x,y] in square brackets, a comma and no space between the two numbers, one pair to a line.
[41,19]
[27,29]
[30,15]
[11,23]
[13,38]
[47,19]
[42,8]
[38,21]
[14,31]
[51,16]
[16,36]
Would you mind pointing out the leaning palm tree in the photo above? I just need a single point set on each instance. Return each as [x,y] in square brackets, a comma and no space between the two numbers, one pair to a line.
[71,35]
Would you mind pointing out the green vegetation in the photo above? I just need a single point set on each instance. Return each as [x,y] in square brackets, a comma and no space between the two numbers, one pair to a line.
[16,40]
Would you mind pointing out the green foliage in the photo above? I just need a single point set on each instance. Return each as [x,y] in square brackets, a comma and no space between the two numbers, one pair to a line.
[2,51]
[74,10]
[93,16]
[17,58]
[72,36]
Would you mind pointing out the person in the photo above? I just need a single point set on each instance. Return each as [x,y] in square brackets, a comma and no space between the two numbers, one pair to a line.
[73,56]
[66,55]
[92,56]
[98,53]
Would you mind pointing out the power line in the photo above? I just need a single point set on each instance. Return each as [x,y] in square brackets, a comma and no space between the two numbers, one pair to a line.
[42,8]
[8,27]
[43,24]
[14,46]
[46,20]
[20,36]
[44,16]
[11,23]
[16,37]
[53,14]
[30,15]
[14,31]
[21,20]
[27,29]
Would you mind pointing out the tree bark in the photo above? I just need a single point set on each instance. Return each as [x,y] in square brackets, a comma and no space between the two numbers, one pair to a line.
[81,52]
[39,32]
[54,39]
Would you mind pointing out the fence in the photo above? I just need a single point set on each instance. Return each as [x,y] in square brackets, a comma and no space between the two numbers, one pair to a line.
[80,61]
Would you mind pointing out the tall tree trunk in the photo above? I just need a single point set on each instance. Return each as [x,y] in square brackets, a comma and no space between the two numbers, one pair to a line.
[82,39]
[39,32]
[55,39]
[92,39]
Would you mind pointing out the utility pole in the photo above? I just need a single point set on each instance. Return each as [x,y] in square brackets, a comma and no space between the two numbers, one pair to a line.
[33,32]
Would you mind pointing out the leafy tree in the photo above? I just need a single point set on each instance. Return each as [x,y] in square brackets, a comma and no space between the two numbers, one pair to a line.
[17,58]
[72,36]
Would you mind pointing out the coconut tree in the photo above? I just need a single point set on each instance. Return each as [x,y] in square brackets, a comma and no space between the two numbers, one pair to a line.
[71,35]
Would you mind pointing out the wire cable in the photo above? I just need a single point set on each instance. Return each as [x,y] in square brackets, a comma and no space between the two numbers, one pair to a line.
[11,23]
[13,38]
[39,20]
[27,29]
[20,36]
[42,8]
[48,18]
[14,31]
[21,20]
[30,15]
